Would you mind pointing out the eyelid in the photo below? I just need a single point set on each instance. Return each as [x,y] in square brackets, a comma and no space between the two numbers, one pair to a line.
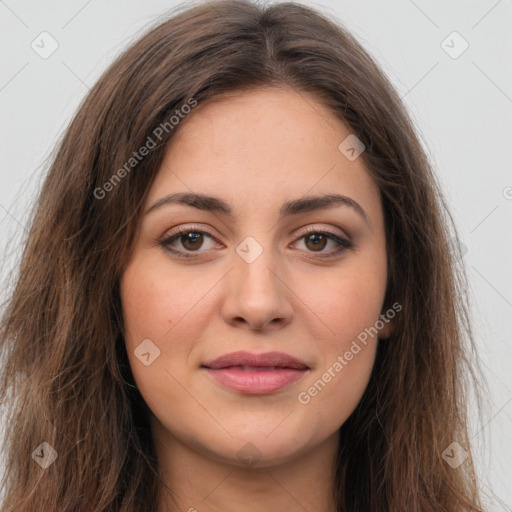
[342,240]
[300,232]
[180,230]
[186,229]
[318,229]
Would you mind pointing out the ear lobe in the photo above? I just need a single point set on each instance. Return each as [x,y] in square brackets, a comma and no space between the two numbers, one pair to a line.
[387,330]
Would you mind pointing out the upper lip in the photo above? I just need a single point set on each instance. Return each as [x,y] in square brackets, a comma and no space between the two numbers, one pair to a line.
[241,358]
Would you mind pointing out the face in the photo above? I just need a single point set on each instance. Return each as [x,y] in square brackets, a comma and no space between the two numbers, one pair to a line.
[249,273]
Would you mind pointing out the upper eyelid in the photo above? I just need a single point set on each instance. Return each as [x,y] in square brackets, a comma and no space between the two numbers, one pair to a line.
[313,229]
[300,233]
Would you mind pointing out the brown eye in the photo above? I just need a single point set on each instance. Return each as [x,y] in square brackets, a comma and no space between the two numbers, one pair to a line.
[186,241]
[192,240]
[316,241]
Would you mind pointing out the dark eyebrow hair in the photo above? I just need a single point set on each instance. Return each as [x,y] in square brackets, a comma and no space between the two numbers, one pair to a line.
[302,205]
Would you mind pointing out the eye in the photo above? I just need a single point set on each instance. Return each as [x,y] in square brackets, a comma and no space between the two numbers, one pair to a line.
[316,240]
[193,240]
[190,239]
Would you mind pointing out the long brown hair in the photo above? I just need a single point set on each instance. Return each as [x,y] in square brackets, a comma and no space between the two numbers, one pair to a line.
[66,378]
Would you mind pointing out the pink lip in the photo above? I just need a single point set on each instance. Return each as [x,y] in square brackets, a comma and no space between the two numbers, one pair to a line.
[255,374]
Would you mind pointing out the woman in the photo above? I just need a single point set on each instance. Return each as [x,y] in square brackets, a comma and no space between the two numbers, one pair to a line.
[237,291]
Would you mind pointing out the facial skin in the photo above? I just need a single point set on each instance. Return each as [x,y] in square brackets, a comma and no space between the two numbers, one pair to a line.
[254,150]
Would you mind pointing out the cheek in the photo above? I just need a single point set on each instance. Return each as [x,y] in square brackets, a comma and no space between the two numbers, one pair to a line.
[333,395]
[169,310]
[355,307]
[347,302]
[350,307]
[160,306]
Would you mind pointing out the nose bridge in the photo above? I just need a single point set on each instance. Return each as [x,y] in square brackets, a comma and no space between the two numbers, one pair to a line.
[256,294]
[253,264]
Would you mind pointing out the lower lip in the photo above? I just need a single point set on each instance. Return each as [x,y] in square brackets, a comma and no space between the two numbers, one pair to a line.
[256,382]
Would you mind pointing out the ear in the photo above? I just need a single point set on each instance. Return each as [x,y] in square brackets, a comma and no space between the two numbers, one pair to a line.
[387,329]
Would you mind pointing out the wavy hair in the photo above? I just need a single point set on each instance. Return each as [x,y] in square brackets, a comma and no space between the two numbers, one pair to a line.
[66,379]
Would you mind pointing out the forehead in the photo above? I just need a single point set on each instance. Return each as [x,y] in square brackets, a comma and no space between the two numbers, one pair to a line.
[262,146]
[242,123]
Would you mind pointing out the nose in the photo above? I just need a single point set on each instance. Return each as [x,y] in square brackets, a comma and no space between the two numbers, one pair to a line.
[257,297]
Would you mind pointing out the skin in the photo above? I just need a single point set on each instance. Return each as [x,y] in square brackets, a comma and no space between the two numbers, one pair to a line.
[255,150]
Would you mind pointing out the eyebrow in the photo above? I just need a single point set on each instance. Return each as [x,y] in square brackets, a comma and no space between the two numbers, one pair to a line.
[294,207]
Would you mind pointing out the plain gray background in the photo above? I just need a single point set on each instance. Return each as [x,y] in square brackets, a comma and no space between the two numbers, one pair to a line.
[461,104]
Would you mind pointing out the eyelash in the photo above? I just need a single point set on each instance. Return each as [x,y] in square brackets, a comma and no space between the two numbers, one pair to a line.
[343,243]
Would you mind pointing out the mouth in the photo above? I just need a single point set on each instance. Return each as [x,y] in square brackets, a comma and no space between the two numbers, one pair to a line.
[256,374]
[246,368]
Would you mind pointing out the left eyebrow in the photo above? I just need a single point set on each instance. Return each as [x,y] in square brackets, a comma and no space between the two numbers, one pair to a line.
[294,207]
